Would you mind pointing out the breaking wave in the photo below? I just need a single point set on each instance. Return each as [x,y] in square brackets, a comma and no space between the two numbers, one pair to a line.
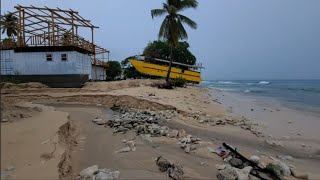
[264,82]
[226,82]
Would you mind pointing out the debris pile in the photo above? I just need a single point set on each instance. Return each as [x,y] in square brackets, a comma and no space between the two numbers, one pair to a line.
[130,146]
[239,167]
[141,121]
[93,172]
[174,170]
[146,122]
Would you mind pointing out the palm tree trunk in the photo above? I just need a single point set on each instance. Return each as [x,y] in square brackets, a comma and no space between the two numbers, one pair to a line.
[170,65]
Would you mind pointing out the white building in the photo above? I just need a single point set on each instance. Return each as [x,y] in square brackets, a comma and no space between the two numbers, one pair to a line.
[55,54]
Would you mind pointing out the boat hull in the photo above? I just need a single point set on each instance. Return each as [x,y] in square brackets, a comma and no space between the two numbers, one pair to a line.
[161,71]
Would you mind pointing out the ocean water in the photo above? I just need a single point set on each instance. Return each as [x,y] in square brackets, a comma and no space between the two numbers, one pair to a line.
[303,94]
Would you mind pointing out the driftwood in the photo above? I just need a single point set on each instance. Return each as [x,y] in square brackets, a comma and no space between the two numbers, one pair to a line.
[256,168]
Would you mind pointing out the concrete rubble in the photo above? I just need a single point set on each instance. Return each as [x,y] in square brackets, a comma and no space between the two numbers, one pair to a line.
[174,170]
[146,122]
[188,143]
[243,122]
[142,122]
[93,172]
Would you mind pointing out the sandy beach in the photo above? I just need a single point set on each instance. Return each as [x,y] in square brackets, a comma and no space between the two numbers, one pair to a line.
[48,133]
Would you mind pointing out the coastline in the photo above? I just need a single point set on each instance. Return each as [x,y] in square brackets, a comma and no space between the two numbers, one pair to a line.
[277,119]
[199,113]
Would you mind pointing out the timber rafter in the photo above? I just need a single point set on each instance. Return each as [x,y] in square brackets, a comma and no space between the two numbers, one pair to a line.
[43,26]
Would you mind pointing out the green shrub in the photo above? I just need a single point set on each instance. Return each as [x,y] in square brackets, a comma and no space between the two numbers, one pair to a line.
[178,82]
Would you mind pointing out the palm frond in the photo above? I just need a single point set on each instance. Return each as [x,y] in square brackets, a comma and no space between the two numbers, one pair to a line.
[157,12]
[184,4]
[182,32]
[187,21]
[164,29]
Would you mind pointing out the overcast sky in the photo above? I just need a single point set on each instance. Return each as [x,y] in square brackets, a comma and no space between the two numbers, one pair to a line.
[236,39]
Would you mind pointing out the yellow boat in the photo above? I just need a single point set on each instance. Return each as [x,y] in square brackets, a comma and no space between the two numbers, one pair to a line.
[159,67]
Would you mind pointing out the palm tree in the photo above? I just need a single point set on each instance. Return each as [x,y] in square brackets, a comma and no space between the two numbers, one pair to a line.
[9,24]
[172,29]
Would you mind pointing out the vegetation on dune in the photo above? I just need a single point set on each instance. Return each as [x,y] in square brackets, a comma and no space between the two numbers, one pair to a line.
[172,29]
[113,70]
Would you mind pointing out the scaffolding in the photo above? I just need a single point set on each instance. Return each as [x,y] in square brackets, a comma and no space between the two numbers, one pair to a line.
[43,26]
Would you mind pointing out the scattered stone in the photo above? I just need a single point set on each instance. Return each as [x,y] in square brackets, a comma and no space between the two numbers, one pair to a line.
[273,143]
[96,120]
[243,174]
[255,159]
[220,167]
[89,172]
[228,173]
[290,122]
[299,175]
[182,133]
[103,176]
[236,162]
[130,143]
[174,170]
[10,168]
[173,134]
[98,174]
[4,120]
[187,148]
[303,145]
[279,168]
[126,149]
[133,149]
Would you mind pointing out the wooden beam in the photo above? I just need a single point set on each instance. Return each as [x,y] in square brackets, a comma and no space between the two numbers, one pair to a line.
[38,8]
[23,28]
[72,29]
[20,29]
[35,29]
[52,24]
[81,19]
[34,23]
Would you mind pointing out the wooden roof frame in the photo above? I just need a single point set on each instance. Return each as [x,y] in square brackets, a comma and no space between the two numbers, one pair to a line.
[38,26]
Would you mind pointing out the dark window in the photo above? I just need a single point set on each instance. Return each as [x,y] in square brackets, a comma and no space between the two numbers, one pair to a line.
[64,57]
[49,57]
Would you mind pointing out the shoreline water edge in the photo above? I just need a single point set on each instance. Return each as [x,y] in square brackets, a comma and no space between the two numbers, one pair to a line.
[290,115]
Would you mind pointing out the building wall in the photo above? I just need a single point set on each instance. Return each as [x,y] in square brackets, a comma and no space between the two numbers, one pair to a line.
[7,67]
[101,72]
[35,63]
